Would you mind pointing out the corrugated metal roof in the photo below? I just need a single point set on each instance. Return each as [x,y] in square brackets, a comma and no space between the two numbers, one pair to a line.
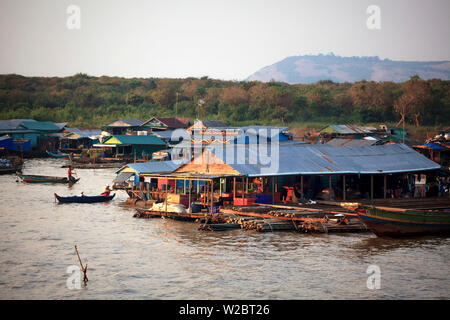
[323,159]
[125,123]
[13,124]
[83,133]
[137,140]
[349,129]
[121,177]
[154,167]
[40,125]
[337,142]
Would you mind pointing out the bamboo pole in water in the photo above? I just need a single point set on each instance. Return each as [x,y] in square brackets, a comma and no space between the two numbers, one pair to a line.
[83,268]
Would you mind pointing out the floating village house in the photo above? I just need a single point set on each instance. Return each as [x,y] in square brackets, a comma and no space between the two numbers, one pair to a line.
[245,174]
[132,146]
[75,139]
[123,126]
[203,126]
[169,123]
[37,132]
[164,128]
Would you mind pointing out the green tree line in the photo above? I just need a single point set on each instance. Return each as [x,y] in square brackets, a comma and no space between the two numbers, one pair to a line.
[84,100]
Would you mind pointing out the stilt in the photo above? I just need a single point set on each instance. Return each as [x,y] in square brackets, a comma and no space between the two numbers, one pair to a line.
[371,186]
[273,191]
[343,187]
[243,192]
[212,195]
[329,186]
[301,187]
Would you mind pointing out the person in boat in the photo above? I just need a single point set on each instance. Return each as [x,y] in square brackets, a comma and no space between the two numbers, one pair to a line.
[106,192]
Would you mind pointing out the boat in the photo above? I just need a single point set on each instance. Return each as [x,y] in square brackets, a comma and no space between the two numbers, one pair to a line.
[36,178]
[58,155]
[84,199]
[397,222]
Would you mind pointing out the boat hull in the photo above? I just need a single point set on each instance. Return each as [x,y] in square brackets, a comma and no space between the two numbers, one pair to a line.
[404,223]
[58,155]
[84,199]
[45,179]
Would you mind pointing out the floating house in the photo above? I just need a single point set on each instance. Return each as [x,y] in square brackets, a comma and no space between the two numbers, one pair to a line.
[137,146]
[38,132]
[75,139]
[202,126]
[347,131]
[168,123]
[396,133]
[123,126]
[245,174]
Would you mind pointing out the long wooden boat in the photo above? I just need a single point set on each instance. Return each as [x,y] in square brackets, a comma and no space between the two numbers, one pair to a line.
[396,222]
[84,199]
[58,155]
[37,179]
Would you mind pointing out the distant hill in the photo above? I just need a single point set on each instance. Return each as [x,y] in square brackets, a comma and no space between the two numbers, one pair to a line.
[313,68]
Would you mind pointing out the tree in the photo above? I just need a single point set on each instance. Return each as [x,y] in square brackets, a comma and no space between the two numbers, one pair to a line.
[416,95]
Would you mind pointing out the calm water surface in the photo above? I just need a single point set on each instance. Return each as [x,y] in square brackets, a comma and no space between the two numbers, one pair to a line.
[132,258]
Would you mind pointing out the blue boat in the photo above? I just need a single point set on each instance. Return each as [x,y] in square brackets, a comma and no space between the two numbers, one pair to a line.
[84,199]
[58,155]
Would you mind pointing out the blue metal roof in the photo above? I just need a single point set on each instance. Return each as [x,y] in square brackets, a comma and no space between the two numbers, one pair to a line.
[154,167]
[306,159]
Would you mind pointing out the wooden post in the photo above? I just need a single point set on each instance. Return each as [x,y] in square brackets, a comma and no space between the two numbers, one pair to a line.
[220,186]
[189,197]
[234,188]
[184,189]
[273,190]
[329,186]
[343,187]
[212,195]
[384,186]
[243,190]
[301,187]
[371,186]
[166,202]
[83,268]
[205,194]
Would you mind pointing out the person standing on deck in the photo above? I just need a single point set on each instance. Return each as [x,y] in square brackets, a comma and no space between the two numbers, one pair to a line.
[69,173]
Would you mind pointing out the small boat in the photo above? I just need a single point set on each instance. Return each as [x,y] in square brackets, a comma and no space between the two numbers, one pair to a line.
[395,222]
[84,199]
[36,179]
[58,155]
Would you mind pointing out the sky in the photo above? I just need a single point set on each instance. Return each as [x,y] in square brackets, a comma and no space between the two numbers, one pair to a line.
[226,39]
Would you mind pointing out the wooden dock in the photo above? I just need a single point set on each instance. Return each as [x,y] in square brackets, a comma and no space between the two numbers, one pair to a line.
[320,217]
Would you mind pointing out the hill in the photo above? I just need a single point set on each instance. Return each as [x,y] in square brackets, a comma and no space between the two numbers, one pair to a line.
[313,68]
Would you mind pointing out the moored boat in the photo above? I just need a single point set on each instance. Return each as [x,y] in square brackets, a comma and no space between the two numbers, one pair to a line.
[395,222]
[84,199]
[58,155]
[37,179]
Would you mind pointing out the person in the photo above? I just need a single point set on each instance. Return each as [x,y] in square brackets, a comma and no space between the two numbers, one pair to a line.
[69,173]
[106,192]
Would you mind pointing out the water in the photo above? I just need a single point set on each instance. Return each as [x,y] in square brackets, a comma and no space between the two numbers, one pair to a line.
[132,258]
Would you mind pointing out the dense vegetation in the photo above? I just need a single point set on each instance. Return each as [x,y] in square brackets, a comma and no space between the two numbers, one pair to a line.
[83,100]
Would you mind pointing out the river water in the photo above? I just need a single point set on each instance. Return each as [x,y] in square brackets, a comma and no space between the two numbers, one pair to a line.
[131,258]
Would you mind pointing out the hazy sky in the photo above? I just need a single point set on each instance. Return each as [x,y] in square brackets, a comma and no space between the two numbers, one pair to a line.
[227,39]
